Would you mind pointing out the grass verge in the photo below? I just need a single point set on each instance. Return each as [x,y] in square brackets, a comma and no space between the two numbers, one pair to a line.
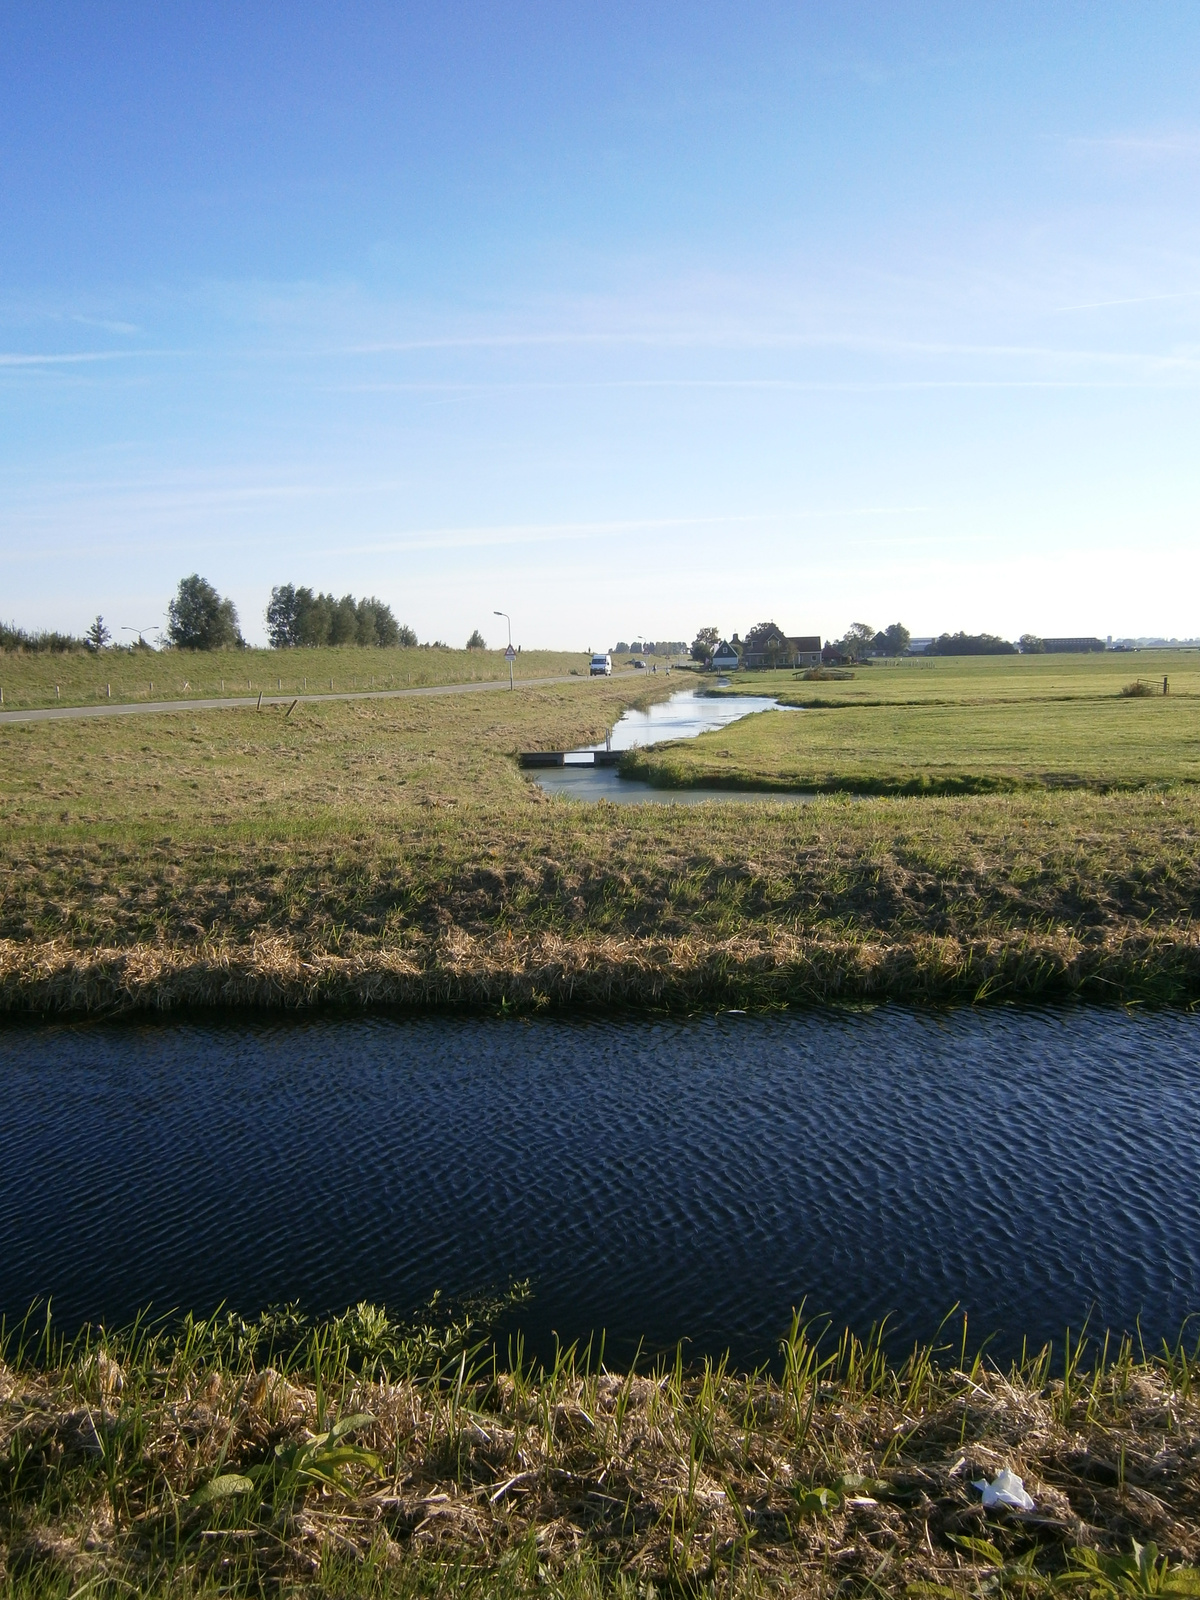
[362,1457]
[36,679]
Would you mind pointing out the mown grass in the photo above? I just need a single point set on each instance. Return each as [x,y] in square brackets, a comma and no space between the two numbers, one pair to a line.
[362,1457]
[392,852]
[966,680]
[35,679]
[958,727]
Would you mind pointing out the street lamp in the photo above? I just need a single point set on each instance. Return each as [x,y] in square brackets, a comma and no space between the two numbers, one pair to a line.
[139,631]
[508,619]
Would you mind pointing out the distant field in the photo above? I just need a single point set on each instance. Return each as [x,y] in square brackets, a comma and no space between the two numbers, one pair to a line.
[79,678]
[392,851]
[956,727]
[967,680]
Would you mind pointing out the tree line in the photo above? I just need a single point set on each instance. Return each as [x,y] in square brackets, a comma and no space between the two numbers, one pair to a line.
[298,617]
[861,642]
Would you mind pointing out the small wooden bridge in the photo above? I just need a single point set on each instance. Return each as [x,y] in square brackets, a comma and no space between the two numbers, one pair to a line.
[579,758]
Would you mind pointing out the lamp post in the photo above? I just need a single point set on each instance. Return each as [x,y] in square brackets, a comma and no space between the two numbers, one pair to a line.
[509,651]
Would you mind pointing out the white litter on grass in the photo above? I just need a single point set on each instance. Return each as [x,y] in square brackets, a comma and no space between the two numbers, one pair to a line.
[1005,1489]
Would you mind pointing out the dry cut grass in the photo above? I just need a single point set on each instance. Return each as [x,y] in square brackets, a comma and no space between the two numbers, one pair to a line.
[357,1457]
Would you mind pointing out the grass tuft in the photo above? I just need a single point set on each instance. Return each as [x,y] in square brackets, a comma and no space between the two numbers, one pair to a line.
[365,1457]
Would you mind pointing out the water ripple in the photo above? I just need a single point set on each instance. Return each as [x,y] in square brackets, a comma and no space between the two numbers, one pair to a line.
[694,1178]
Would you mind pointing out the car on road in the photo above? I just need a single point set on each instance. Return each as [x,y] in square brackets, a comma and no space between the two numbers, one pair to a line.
[601,667]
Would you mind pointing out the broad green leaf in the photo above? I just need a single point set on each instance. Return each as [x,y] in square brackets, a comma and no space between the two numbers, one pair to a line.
[222,1488]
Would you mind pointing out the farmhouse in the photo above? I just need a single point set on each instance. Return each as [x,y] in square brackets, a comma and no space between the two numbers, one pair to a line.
[768,646]
[725,658]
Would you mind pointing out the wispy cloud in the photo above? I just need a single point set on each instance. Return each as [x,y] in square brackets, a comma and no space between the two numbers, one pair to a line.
[61,358]
[1141,148]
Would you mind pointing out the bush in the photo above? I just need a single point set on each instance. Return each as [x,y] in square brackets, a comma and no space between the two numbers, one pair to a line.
[14,638]
[1138,689]
[477,641]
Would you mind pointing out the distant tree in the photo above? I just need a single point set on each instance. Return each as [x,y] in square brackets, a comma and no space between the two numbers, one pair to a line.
[477,641]
[97,635]
[856,642]
[377,625]
[281,616]
[620,648]
[300,617]
[898,638]
[343,619]
[703,645]
[406,637]
[1031,645]
[970,644]
[198,619]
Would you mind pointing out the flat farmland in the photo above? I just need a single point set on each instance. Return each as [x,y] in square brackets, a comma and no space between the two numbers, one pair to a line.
[392,851]
[956,727]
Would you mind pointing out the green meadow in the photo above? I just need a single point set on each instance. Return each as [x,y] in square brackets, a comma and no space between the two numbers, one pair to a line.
[392,851]
[956,726]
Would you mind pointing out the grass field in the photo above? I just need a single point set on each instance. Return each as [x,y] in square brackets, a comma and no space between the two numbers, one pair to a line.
[34,678]
[392,851]
[364,1458]
[956,727]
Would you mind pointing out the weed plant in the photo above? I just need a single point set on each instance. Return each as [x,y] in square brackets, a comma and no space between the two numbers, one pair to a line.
[364,1457]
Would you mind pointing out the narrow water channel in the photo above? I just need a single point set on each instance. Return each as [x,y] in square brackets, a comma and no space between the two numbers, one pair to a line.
[677,1179]
[683,716]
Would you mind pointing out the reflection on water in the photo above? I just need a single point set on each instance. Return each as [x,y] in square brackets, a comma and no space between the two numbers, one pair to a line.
[683,716]
[669,1179]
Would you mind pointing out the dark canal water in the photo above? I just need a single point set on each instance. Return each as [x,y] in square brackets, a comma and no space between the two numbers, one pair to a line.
[691,1179]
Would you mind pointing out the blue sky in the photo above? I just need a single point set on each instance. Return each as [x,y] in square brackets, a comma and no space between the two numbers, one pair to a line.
[622,319]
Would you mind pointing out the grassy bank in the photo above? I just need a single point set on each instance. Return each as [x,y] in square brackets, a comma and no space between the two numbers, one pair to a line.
[359,1457]
[393,852]
[30,679]
[955,727]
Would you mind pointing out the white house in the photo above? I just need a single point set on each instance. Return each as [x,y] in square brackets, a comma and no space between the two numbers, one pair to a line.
[725,658]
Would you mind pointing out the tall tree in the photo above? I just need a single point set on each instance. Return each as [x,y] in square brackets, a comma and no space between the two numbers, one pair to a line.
[857,640]
[198,618]
[703,645]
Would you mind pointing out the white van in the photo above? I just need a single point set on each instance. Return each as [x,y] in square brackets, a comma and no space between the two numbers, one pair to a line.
[601,667]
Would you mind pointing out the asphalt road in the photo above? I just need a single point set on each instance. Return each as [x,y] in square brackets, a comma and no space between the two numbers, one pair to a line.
[123,708]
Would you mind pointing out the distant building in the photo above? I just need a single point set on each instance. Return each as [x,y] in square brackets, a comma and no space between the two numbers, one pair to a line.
[1062,647]
[725,658]
[771,647]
